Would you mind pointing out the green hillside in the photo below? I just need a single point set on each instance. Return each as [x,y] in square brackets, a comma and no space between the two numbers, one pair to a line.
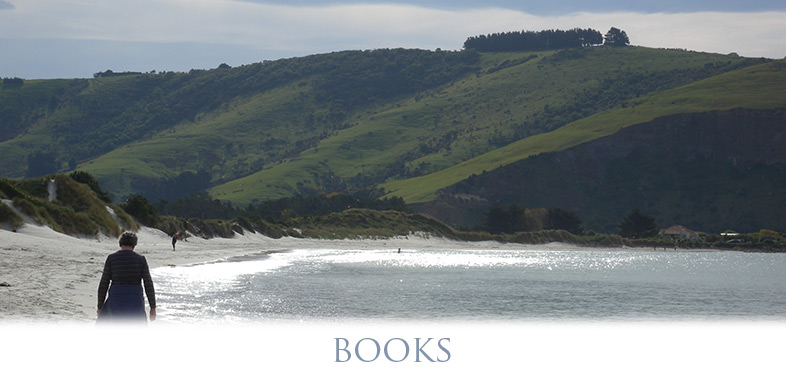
[512,96]
[135,131]
[757,87]
[412,121]
[709,171]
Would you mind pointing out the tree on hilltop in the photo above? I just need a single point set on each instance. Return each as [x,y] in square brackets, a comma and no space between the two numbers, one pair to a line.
[616,37]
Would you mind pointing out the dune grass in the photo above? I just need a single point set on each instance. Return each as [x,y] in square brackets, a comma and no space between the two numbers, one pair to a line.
[76,210]
[8,217]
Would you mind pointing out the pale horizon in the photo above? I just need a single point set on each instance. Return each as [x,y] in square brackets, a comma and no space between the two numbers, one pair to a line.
[68,39]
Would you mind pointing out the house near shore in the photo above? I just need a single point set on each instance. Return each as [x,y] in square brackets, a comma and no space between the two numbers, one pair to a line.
[679,232]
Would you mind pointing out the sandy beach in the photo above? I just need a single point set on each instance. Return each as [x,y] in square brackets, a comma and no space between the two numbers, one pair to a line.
[51,277]
[50,280]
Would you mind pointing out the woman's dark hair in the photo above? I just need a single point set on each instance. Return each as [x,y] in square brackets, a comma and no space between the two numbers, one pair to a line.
[128,238]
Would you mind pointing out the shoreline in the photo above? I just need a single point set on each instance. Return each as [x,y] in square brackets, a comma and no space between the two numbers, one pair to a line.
[54,277]
[51,277]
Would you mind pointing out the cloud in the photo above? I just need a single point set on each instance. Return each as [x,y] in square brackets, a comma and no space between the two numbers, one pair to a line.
[285,31]
[4,5]
[749,34]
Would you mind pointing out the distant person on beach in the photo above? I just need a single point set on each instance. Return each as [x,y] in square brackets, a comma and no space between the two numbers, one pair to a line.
[127,271]
[177,236]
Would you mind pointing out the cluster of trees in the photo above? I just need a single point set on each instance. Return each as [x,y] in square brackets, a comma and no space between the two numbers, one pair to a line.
[637,225]
[200,205]
[517,41]
[141,209]
[13,82]
[110,73]
[500,220]
[76,211]
[298,206]
[534,40]
[497,220]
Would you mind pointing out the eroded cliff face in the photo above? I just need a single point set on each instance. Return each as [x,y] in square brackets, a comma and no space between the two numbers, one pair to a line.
[708,171]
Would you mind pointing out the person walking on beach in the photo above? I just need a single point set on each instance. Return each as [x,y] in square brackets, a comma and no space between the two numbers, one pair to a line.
[174,239]
[127,271]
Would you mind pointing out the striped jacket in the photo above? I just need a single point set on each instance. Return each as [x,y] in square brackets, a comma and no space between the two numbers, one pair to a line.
[126,267]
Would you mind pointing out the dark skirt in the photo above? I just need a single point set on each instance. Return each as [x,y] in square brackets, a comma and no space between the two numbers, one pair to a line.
[126,303]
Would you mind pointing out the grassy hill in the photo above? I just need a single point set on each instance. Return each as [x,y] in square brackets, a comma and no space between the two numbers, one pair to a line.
[327,123]
[708,171]
[512,96]
[130,130]
[410,121]
[756,87]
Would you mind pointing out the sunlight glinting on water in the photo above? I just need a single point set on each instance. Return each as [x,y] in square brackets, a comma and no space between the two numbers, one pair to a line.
[221,271]
[475,283]
[473,258]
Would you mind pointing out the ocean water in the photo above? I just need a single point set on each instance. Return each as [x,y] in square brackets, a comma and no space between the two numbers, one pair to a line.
[476,285]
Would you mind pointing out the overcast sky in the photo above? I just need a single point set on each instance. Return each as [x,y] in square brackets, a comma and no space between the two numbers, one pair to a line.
[76,38]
